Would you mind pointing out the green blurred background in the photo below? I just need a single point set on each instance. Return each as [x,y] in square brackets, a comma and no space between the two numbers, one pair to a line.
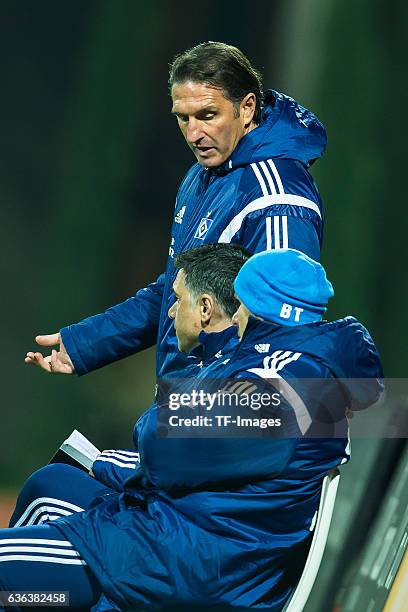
[90,164]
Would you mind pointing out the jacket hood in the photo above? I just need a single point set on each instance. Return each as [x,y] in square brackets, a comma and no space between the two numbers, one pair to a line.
[344,346]
[287,130]
[350,353]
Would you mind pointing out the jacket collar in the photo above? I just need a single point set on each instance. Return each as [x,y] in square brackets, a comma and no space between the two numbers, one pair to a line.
[257,329]
[215,342]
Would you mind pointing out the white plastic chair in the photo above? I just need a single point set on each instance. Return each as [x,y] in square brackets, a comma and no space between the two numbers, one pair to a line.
[299,597]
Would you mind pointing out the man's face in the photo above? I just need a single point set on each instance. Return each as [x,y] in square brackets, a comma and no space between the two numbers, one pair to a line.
[186,314]
[208,121]
[240,318]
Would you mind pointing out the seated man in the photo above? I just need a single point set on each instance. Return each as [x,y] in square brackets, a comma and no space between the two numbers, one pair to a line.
[224,520]
[59,490]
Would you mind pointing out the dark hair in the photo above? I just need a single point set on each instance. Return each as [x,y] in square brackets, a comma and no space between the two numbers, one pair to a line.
[212,268]
[222,66]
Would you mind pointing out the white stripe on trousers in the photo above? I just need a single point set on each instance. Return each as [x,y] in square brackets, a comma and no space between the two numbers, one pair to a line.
[43,501]
[18,546]
[65,543]
[49,517]
[46,510]
[42,559]
[40,549]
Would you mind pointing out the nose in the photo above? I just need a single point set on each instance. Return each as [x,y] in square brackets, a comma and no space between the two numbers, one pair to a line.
[194,132]
[234,319]
[172,311]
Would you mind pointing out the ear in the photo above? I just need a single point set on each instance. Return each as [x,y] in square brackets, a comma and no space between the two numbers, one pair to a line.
[206,308]
[248,106]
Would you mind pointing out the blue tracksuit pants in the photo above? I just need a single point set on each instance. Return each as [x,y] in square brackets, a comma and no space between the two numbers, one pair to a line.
[35,557]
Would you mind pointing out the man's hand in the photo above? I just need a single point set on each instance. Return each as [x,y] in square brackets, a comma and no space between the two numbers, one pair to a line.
[58,362]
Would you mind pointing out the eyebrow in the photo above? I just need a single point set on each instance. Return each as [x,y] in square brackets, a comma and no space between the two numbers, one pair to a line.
[207,109]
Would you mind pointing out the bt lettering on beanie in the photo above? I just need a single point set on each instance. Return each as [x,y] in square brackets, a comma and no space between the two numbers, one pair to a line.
[284,286]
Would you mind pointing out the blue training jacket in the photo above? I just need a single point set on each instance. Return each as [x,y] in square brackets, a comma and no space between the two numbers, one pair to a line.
[226,521]
[262,197]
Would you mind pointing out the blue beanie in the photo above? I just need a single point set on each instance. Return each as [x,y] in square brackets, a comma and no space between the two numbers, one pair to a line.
[285,287]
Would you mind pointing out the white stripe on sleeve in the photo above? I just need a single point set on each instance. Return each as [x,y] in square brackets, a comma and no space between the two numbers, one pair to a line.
[121,452]
[268,234]
[268,177]
[284,362]
[260,179]
[260,204]
[276,175]
[116,462]
[285,237]
[120,456]
[276,233]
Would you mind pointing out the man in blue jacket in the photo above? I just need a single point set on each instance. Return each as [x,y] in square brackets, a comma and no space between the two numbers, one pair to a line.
[222,520]
[250,186]
[57,489]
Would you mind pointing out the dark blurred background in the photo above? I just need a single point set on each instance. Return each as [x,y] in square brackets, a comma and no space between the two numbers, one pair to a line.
[91,160]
